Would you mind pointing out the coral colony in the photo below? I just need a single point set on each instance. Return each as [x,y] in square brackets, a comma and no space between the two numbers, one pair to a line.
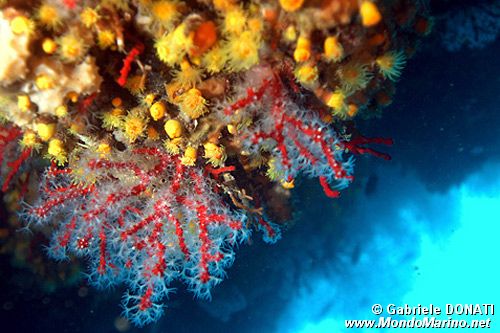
[152,137]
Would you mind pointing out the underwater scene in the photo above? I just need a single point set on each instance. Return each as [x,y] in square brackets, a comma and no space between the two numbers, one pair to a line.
[276,166]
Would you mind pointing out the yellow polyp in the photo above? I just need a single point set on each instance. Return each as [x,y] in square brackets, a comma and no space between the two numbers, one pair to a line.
[336,100]
[288,185]
[77,127]
[48,15]
[149,99]
[243,51]
[333,50]
[62,111]
[193,104]
[165,11]
[188,76]
[303,50]
[391,64]
[173,128]
[235,21]
[23,102]
[22,25]
[106,38]
[172,146]
[49,46]
[71,47]
[370,14]
[57,151]
[45,131]
[189,158]
[231,129]
[215,154]
[104,149]
[291,5]
[116,102]
[255,25]
[29,140]
[290,34]
[223,5]
[134,125]
[44,82]
[214,60]
[117,112]
[89,17]
[136,84]
[306,74]
[157,110]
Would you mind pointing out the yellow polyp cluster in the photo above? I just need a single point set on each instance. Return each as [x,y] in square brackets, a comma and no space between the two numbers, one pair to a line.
[193,104]
[173,128]
[370,14]
[214,154]
[22,25]
[189,157]
[291,5]
[303,50]
[48,15]
[89,17]
[182,108]
[57,151]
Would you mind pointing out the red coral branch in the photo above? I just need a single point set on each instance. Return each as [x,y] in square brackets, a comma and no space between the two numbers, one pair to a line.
[14,167]
[127,63]
[354,145]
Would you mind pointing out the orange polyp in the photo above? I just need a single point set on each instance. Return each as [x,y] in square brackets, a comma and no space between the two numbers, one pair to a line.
[370,15]
[422,26]
[377,39]
[204,37]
